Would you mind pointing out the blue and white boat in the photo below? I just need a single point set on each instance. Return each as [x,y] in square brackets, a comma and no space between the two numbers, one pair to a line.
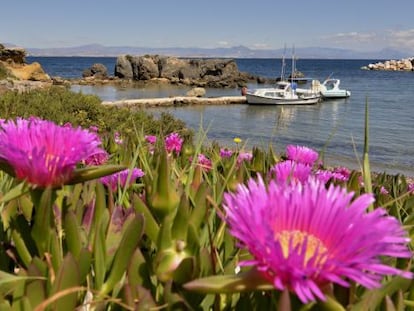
[330,89]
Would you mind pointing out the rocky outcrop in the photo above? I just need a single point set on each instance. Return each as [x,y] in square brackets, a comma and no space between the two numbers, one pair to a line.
[19,76]
[193,72]
[98,71]
[405,64]
[14,55]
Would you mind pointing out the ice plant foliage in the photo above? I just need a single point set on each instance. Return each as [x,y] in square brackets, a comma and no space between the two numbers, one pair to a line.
[305,236]
[122,178]
[43,153]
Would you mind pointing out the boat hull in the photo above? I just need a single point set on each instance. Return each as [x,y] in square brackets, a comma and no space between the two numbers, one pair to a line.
[262,100]
[336,94]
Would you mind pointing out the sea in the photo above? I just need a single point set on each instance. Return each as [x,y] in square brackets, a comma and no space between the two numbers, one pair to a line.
[335,128]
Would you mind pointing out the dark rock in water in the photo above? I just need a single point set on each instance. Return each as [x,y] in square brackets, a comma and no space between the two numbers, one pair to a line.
[194,72]
[298,77]
[98,71]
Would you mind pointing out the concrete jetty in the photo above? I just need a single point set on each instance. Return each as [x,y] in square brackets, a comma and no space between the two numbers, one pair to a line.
[177,101]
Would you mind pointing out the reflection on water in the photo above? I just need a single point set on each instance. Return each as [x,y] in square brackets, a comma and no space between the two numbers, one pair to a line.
[155,90]
[335,126]
[282,115]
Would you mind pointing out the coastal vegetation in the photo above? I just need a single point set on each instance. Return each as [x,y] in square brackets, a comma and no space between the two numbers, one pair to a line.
[112,209]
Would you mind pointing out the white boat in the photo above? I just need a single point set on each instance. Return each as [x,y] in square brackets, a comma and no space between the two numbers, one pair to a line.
[330,89]
[285,93]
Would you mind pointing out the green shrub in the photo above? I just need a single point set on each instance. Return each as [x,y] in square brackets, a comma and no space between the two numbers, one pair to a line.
[3,72]
[61,106]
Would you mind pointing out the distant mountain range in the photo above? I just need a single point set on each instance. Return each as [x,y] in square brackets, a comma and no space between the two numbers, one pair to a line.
[232,52]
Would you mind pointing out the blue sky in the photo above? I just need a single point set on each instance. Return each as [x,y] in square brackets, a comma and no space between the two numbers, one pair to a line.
[362,25]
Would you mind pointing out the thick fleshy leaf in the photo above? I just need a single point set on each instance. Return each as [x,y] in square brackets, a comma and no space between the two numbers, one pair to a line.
[68,276]
[94,172]
[130,239]
[10,281]
[151,226]
[43,222]
[198,214]
[221,284]
[16,192]
[72,234]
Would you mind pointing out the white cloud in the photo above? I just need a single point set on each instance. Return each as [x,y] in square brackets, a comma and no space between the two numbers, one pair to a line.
[223,43]
[261,46]
[402,40]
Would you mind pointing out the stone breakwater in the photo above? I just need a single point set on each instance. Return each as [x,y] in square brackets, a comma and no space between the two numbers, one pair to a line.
[405,64]
[176,101]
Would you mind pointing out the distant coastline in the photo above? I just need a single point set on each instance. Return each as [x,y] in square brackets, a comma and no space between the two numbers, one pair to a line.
[97,50]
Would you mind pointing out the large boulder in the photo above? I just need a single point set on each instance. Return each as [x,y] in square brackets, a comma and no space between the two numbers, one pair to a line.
[145,68]
[123,67]
[30,72]
[194,72]
[98,71]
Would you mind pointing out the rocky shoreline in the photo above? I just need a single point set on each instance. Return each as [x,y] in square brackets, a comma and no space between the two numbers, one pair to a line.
[130,71]
[405,64]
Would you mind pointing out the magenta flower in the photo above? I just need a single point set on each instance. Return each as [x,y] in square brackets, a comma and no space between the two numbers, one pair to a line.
[97,158]
[225,153]
[290,172]
[334,175]
[303,236]
[301,154]
[43,153]
[122,178]
[173,143]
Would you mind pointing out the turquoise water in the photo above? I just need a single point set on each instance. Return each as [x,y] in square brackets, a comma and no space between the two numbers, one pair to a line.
[337,126]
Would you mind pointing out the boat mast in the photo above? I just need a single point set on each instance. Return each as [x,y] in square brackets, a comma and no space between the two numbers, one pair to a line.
[293,63]
[282,74]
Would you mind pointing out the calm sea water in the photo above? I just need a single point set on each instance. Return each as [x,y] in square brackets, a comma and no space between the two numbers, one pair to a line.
[335,126]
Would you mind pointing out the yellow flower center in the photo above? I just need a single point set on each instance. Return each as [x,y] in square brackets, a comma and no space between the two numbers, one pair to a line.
[305,242]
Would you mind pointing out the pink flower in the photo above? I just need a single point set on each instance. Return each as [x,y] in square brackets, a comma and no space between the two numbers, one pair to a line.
[117,138]
[122,178]
[301,154]
[225,153]
[93,128]
[337,174]
[43,153]
[290,172]
[151,139]
[410,187]
[244,156]
[173,143]
[97,158]
[305,236]
[204,162]
[383,190]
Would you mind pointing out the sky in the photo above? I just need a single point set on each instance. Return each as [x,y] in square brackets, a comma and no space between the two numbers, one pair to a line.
[361,25]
